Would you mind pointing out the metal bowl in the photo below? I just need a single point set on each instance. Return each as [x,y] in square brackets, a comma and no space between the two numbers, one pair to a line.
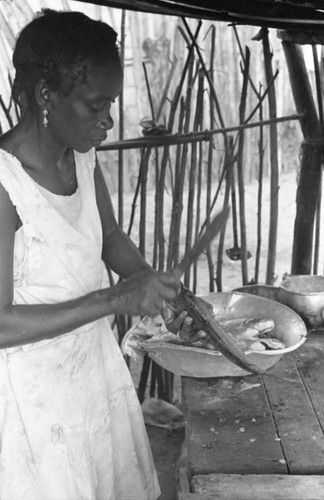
[195,362]
[266,291]
[305,295]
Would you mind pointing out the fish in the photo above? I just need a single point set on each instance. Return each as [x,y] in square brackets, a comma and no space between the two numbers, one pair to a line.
[248,327]
[204,319]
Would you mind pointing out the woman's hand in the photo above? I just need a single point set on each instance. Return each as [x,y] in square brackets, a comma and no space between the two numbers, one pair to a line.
[145,292]
[182,324]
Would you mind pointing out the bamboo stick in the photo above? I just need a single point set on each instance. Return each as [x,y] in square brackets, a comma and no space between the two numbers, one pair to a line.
[136,193]
[262,97]
[153,380]
[121,127]
[185,149]
[143,378]
[144,174]
[240,172]
[156,215]
[177,203]
[173,109]
[228,170]
[260,193]
[255,90]
[172,139]
[193,172]
[210,155]
[198,215]
[319,195]
[219,185]
[168,385]
[6,112]
[208,77]
[274,167]
[149,92]
[166,89]
[179,167]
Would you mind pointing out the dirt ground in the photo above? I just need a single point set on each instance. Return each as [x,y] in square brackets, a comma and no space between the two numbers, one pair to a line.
[166,445]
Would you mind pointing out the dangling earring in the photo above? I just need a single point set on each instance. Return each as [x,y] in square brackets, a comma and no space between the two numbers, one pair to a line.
[45,119]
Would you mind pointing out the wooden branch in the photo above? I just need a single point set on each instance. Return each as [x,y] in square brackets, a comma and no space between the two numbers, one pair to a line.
[207,74]
[317,238]
[121,129]
[228,170]
[274,167]
[210,155]
[6,112]
[240,169]
[171,139]
[260,192]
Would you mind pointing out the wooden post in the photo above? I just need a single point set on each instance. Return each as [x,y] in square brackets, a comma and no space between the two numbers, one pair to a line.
[311,153]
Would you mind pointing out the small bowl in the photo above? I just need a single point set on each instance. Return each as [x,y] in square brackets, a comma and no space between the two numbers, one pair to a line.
[305,295]
[203,363]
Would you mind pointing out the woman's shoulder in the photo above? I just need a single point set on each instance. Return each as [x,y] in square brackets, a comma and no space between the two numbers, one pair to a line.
[8,145]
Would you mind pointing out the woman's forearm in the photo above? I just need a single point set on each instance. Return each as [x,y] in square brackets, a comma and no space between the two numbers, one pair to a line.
[23,324]
[144,292]
[121,254]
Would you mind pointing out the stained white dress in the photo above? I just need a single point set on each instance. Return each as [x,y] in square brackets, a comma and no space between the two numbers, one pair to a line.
[71,427]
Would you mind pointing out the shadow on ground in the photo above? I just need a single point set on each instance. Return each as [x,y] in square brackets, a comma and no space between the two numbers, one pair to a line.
[166,448]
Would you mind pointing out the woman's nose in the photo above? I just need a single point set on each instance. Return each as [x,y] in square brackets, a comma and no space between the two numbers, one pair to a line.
[106,123]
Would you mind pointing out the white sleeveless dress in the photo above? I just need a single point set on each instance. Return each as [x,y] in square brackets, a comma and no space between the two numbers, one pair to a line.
[71,427]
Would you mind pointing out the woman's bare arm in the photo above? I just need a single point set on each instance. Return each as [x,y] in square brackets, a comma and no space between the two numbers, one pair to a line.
[119,251]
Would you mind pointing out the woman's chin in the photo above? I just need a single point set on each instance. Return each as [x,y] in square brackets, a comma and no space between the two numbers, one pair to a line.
[85,147]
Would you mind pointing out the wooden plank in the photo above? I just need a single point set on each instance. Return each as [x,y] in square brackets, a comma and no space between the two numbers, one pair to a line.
[301,37]
[310,364]
[296,420]
[256,487]
[194,496]
[252,425]
[229,427]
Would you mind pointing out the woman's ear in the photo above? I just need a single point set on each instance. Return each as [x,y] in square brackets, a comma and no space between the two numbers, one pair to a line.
[42,92]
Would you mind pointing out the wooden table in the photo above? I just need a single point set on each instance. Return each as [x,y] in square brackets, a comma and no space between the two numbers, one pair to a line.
[258,437]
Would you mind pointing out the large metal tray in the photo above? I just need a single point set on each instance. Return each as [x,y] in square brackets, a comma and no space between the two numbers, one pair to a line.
[202,363]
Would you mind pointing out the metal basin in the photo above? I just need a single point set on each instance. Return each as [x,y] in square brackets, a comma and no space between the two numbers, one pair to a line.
[195,362]
[305,295]
[266,291]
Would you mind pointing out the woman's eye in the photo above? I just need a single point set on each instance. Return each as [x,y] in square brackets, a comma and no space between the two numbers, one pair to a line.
[96,109]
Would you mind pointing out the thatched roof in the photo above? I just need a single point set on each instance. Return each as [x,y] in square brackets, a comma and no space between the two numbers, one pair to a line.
[290,15]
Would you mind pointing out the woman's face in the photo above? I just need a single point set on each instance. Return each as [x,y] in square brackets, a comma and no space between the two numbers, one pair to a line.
[81,120]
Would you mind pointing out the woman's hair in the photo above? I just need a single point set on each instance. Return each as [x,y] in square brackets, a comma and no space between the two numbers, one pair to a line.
[61,48]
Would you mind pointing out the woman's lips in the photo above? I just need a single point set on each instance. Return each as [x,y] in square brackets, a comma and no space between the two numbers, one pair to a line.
[98,140]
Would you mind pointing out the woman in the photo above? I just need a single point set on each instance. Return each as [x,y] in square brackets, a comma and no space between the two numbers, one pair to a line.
[71,427]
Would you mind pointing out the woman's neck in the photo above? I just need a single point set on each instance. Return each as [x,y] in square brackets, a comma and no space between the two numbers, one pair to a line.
[33,145]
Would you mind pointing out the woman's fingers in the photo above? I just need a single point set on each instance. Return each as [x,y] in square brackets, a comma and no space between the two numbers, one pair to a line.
[172,320]
[146,292]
